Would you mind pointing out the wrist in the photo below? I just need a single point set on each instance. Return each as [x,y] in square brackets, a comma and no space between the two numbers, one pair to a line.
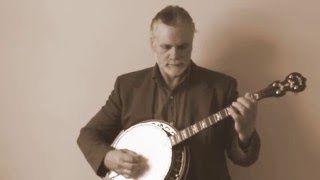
[245,137]
[108,159]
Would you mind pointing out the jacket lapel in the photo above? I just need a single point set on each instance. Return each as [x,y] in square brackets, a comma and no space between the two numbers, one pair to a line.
[200,99]
[143,99]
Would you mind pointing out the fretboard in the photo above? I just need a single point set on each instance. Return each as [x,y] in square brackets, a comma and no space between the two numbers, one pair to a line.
[199,126]
[294,82]
[207,122]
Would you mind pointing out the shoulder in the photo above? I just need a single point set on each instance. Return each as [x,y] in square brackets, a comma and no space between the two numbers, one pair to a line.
[224,86]
[213,77]
[135,77]
[136,74]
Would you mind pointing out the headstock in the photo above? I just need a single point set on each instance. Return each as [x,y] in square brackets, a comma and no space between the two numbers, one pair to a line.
[294,82]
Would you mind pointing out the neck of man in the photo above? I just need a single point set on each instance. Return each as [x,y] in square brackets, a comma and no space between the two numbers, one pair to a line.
[173,82]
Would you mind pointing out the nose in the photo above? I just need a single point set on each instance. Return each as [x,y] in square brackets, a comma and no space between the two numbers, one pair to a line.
[174,53]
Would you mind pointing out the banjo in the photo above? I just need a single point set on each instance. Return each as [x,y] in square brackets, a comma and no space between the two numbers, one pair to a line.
[167,156]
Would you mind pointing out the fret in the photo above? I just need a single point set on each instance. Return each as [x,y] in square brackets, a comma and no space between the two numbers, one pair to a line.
[172,139]
[199,126]
[178,137]
[194,128]
[223,113]
[218,116]
[203,124]
[215,118]
[226,112]
[184,134]
[210,121]
[189,133]
[207,121]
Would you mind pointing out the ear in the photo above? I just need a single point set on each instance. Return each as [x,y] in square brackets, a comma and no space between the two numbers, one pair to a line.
[151,39]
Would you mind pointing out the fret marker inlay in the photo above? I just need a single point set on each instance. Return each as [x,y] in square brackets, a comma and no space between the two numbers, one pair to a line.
[194,128]
[203,124]
[218,116]
[210,120]
[184,134]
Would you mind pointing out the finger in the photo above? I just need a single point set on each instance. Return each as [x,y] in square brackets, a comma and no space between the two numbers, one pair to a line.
[132,153]
[126,173]
[247,103]
[234,114]
[131,166]
[244,101]
[127,165]
[127,157]
[240,108]
[250,97]
[133,169]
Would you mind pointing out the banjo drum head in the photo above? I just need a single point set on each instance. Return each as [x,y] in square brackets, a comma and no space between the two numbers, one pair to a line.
[152,143]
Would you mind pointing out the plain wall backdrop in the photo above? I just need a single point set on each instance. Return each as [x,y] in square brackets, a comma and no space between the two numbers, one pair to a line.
[59,60]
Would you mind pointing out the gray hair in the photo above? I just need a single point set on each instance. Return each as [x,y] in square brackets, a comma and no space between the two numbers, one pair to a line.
[173,16]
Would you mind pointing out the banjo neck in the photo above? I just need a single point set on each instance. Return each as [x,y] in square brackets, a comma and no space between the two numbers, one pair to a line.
[192,130]
[294,82]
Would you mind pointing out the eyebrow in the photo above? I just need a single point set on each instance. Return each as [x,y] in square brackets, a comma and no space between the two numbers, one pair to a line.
[170,45]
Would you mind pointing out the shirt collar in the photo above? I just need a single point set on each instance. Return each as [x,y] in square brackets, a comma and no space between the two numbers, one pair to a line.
[156,74]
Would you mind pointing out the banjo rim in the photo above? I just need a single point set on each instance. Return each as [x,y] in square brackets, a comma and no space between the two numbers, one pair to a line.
[169,130]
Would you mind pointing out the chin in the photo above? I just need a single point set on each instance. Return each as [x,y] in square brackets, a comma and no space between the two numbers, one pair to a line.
[177,73]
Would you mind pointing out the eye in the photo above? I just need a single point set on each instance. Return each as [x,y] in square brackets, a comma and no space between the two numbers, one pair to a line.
[183,46]
[166,46]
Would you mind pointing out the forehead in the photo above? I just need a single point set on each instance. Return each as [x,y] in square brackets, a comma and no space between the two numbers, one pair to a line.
[178,34]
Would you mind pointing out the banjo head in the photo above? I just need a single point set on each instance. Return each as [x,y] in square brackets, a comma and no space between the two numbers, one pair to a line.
[149,140]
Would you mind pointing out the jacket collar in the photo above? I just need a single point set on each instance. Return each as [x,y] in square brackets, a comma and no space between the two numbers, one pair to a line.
[194,75]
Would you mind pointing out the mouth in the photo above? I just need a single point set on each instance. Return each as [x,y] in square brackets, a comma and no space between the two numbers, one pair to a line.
[175,64]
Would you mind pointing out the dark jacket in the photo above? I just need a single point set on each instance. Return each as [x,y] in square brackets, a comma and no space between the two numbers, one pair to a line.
[131,102]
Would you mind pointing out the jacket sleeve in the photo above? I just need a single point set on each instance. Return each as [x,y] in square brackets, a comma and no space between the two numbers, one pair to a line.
[238,153]
[95,137]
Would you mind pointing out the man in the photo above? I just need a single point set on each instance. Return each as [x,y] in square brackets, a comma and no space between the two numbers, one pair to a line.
[180,92]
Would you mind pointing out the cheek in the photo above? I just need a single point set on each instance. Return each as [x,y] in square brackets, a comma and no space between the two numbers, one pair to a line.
[186,53]
[162,59]
[162,56]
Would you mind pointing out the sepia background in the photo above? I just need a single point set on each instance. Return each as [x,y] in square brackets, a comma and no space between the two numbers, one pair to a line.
[59,60]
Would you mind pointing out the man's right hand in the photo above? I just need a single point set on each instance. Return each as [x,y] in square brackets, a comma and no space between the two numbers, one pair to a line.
[125,162]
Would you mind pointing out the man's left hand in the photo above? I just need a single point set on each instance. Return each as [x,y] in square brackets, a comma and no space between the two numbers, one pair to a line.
[244,112]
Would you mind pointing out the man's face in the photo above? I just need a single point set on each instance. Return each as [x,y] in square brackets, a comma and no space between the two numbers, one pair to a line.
[172,46]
